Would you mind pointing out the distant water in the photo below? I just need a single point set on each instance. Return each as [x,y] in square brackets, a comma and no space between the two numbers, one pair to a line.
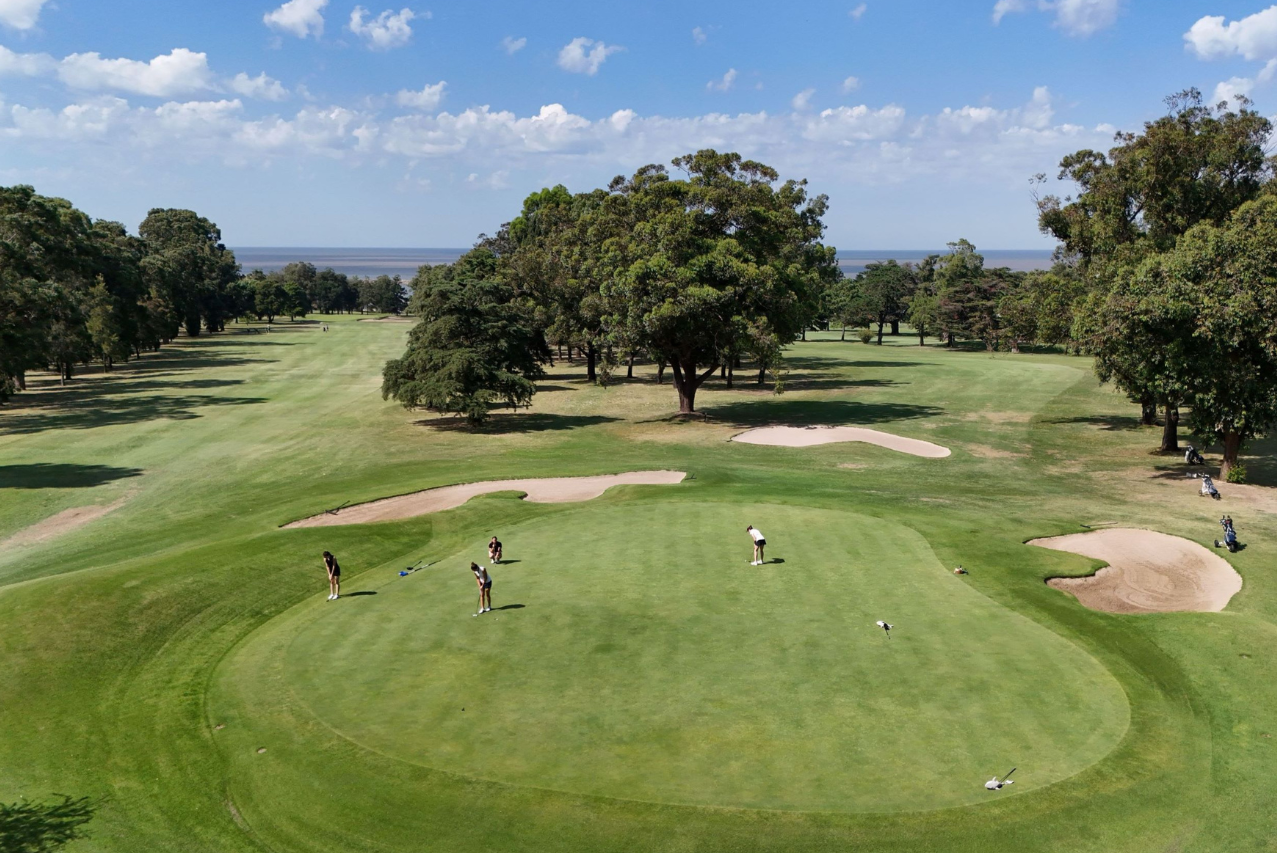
[404,262]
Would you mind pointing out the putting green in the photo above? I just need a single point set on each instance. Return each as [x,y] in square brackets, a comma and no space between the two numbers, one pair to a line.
[642,657]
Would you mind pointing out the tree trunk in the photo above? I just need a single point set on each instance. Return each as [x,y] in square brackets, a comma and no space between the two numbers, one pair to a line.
[660,372]
[895,327]
[844,333]
[589,363]
[804,333]
[731,374]
[762,373]
[880,325]
[1015,345]
[22,380]
[948,339]
[1170,430]
[1148,411]
[193,326]
[922,338]
[629,370]
[1232,449]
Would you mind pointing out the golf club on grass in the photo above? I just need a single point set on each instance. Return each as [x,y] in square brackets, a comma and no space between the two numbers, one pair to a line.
[416,567]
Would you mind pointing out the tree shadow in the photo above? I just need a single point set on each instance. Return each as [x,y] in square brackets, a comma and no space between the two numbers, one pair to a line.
[555,388]
[34,827]
[89,410]
[816,412]
[505,423]
[57,475]
[1108,423]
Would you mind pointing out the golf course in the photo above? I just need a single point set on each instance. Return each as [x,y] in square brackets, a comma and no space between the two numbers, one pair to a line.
[168,650]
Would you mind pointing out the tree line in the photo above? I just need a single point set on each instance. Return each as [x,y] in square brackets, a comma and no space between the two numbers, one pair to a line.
[76,291]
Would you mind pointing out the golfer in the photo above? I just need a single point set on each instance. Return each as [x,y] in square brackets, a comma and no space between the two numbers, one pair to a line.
[334,576]
[494,550]
[759,544]
[484,580]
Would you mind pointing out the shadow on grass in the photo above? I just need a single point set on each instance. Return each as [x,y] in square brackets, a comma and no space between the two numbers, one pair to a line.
[57,475]
[505,423]
[1109,423]
[361,592]
[816,412]
[510,607]
[95,409]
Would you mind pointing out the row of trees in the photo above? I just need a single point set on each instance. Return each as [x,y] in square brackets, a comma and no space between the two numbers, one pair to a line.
[954,297]
[1173,236]
[696,272]
[74,290]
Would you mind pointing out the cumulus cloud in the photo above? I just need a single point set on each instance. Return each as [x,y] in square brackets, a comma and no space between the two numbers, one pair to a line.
[177,72]
[24,64]
[857,13]
[723,84]
[584,56]
[802,100]
[301,18]
[261,87]
[1234,87]
[1074,17]
[851,84]
[386,31]
[512,45]
[698,35]
[427,99]
[1253,37]
[20,14]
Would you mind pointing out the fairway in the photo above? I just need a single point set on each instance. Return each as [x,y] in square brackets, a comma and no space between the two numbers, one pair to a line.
[643,658]
[640,685]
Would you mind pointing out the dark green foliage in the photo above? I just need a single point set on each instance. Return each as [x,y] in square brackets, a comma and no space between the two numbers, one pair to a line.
[43,827]
[475,347]
[381,295]
[187,266]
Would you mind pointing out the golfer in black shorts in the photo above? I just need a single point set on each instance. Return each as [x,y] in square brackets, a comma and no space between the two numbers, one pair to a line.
[334,576]
[759,544]
[484,580]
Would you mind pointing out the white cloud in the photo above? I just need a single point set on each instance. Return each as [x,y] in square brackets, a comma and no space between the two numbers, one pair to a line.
[513,45]
[698,35]
[1074,17]
[1231,88]
[846,125]
[857,13]
[723,84]
[386,31]
[300,17]
[24,64]
[802,100]
[20,14]
[1039,111]
[427,99]
[175,73]
[261,87]
[851,84]
[498,180]
[584,56]
[1252,37]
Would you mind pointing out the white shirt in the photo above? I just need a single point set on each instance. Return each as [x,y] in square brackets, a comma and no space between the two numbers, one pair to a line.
[756,533]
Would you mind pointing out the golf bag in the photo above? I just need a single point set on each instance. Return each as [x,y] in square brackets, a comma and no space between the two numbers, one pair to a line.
[1208,488]
[1192,457]
[1230,535]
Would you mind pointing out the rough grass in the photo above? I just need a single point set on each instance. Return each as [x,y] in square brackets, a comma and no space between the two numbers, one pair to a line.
[655,692]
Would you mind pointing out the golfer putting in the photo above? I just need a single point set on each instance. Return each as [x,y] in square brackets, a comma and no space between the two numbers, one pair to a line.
[484,580]
[759,544]
[334,576]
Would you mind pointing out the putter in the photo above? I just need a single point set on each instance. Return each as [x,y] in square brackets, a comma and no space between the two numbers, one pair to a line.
[414,568]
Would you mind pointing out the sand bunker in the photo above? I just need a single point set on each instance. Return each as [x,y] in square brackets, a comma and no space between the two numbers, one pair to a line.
[784,436]
[1147,572]
[548,491]
[393,318]
[63,522]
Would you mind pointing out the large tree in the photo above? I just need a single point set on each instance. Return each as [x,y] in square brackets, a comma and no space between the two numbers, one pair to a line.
[188,267]
[883,290]
[693,263]
[476,346]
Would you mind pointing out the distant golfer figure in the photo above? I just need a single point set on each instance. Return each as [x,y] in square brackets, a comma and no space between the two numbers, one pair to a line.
[759,544]
[484,580]
[494,550]
[334,576]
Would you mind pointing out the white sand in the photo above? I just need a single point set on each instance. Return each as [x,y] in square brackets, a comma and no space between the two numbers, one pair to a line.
[546,490]
[786,436]
[62,522]
[1147,572]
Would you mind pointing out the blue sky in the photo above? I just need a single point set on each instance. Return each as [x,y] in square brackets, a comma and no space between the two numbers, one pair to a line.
[327,123]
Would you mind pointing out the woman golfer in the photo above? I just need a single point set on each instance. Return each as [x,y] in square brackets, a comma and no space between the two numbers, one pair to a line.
[759,544]
[484,580]
[334,576]
[494,550]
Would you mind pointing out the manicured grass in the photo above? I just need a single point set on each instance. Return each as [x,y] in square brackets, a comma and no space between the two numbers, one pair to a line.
[654,692]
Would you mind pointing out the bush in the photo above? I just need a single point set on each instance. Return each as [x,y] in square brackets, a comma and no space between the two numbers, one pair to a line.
[1237,473]
[866,336]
